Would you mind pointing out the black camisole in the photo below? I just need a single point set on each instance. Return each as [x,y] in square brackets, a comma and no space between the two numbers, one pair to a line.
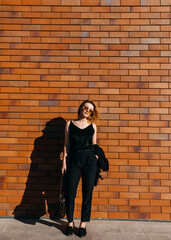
[80,138]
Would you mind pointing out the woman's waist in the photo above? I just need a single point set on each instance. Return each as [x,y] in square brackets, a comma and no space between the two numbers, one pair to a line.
[85,148]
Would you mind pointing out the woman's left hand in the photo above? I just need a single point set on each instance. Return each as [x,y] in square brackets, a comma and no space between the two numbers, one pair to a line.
[96,156]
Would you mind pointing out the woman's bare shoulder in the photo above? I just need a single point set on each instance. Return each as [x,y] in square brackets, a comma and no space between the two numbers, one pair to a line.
[94,126]
[68,123]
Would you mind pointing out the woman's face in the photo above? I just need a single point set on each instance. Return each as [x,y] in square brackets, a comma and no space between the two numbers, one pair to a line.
[87,109]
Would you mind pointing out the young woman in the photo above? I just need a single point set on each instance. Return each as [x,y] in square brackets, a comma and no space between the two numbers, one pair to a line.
[80,161]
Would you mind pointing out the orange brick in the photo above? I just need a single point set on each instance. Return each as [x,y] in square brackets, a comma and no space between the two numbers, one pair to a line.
[138,175]
[8,192]
[116,136]
[129,142]
[129,168]
[150,195]
[166,169]
[140,123]
[117,123]
[138,189]
[159,176]
[129,2]
[162,216]
[149,169]
[119,149]
[36,2]
[149,156]
[129,116]
[119,215]
[129,129]
[139,215]
[161,203]
[159,163]
[150,209]
[51,2]
[159,189]
[159,149]
[129,195]
[133,182]
[139,162]
[128,208]
[149,130]
[99,214]
[139,202]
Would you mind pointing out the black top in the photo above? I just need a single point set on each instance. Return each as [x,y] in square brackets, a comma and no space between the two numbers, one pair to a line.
[80,138]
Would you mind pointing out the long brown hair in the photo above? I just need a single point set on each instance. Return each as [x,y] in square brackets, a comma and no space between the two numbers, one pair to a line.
[94,115]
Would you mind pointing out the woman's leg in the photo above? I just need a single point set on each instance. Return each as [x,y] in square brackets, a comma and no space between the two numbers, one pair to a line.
[88,180]
[73,177]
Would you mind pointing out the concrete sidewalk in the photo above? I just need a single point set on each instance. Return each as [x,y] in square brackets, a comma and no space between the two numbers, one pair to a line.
[46,229]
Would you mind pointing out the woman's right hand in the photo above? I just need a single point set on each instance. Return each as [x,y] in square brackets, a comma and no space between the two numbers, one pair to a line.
[64,168]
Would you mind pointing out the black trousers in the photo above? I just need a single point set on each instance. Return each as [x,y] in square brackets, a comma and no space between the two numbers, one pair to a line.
[85,167]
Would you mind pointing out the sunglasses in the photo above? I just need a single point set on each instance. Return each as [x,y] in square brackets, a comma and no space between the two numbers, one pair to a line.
[89,110]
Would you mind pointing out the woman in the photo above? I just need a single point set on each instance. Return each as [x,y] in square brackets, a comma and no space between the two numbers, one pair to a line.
[80,161]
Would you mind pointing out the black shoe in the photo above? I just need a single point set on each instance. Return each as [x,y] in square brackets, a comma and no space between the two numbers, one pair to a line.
[82,232]
[69,230]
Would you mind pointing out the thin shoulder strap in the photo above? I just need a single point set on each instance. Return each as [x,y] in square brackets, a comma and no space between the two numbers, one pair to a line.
[70,121]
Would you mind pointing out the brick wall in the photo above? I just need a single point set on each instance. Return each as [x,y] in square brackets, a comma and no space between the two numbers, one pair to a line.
[56,53]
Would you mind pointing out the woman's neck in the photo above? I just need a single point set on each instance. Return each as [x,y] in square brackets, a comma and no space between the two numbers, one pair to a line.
[82,119]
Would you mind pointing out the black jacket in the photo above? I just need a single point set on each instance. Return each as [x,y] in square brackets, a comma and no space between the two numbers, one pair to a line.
[102,162]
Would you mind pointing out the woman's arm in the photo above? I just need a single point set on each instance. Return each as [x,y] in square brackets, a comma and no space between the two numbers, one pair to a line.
[66,146]
[94,140]
[95,134]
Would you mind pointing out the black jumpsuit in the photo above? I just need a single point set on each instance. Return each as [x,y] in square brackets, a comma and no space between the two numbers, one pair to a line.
[81,162]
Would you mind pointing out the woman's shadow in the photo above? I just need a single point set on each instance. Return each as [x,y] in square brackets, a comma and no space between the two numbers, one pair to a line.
[44,178]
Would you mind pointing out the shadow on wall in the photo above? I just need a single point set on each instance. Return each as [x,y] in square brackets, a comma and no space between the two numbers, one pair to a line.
[43,183]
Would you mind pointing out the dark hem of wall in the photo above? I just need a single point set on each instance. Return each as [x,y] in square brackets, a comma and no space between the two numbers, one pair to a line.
[100,219]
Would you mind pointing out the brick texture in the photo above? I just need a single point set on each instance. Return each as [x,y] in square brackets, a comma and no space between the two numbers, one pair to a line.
[55,54]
